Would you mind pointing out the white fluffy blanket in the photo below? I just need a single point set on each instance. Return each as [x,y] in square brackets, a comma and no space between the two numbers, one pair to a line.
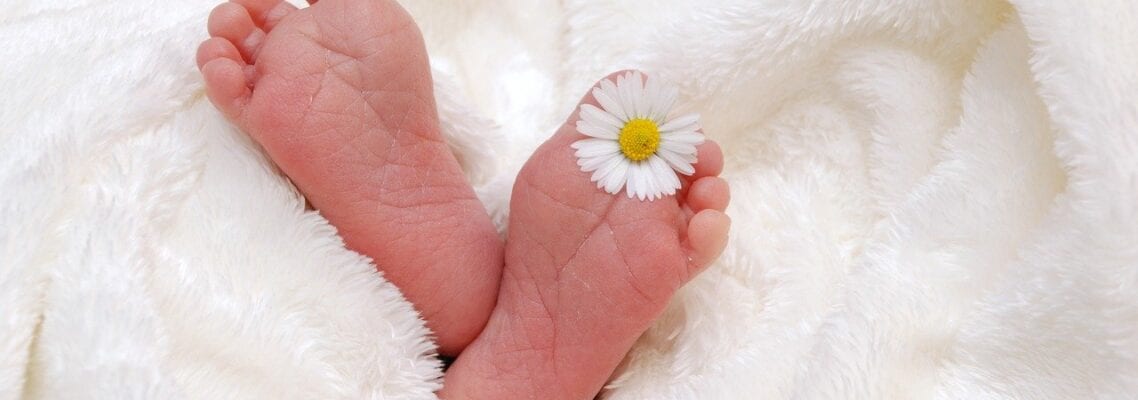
[932,199]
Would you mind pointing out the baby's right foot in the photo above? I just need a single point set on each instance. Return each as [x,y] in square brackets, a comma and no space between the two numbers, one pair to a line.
[586,274]
[340,96]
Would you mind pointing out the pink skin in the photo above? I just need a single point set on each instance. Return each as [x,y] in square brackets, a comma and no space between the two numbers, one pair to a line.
[586,274]
[339,94]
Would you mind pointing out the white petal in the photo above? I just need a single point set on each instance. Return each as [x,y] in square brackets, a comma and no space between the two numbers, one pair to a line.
[676,184]
[606,182]
[670,182]
[599,117]
[657,181]
[591,164]
[685,156]
[632,186]
[644,180]
[677,162]
[652,98]
[599,132]
[589,148]
[669,178]
[584,143]
[651,185]
[635,76]
[605,169]
[652,181]
[678,147]
[615,179]
[609,98]
[626,99]
[668,96]
[689,137]
[645,187]
[686,123]
[639,101]
[610,165]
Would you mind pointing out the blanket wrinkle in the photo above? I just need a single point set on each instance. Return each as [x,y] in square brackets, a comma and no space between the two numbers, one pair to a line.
[934,199]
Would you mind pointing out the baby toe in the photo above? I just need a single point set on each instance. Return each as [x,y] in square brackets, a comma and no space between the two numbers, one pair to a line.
[707,237]
[214,48]
[709,193]
[226,85]
[232,22]
[710,162]
[266,13]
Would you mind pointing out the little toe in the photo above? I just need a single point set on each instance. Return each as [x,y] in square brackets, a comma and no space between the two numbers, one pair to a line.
[707,237]
[216,47]
[232,21]
[710,160]
[226,85]
[709,193]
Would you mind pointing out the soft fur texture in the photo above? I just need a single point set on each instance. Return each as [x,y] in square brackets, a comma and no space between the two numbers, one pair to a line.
[932,199]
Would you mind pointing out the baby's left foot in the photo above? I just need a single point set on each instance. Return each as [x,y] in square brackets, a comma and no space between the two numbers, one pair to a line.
[586,274]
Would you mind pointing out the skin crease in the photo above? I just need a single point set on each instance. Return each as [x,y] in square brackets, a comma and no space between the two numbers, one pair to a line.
[586,273]
[349,115]
[340,97]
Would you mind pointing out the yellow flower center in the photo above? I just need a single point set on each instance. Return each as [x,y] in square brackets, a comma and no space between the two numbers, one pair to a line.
[639,139]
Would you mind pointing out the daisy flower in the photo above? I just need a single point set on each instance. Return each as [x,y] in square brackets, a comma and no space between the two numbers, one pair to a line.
[633,142]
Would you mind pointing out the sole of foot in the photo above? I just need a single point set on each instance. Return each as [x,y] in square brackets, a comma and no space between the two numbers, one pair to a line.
[586,274]
[339,95]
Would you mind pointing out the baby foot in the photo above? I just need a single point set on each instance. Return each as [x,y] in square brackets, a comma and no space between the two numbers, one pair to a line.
[340,96]
[586,274]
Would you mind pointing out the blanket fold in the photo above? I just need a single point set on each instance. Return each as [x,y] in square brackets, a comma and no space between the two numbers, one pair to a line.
[933,199]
